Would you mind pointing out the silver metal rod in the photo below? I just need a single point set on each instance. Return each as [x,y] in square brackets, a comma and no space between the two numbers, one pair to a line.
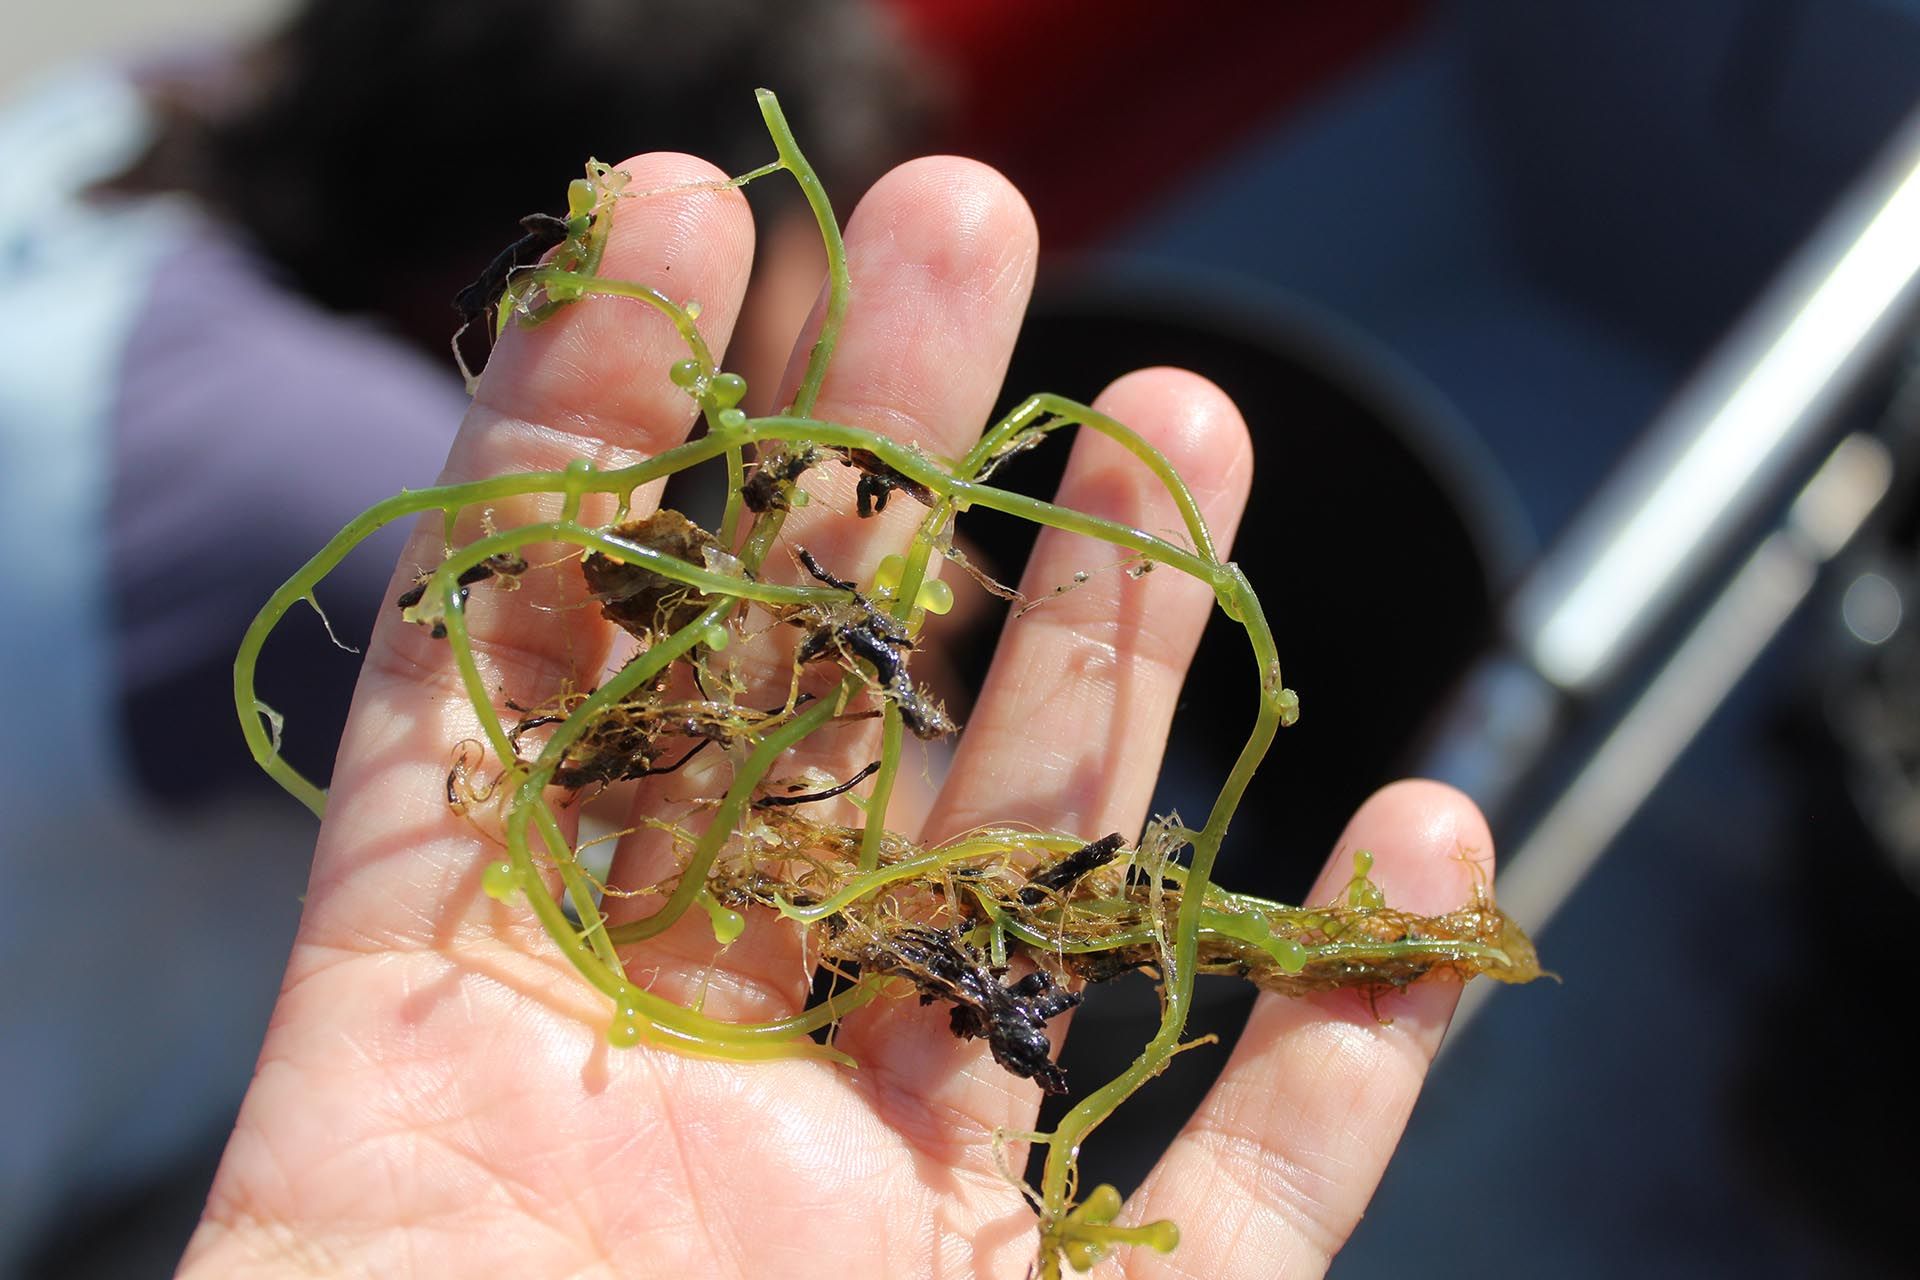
[1747,429]
[1566,844]
[1748,426]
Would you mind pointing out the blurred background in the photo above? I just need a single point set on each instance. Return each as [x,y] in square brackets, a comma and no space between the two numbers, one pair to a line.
[1579,345]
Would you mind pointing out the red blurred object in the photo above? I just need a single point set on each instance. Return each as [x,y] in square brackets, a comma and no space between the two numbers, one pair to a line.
[1094,107]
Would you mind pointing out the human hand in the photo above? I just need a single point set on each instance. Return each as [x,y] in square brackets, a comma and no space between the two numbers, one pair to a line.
[435,1095]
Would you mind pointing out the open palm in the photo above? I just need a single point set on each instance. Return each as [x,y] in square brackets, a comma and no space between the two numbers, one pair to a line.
[435,1096]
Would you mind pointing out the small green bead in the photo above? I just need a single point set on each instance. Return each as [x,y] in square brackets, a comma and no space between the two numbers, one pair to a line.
[629,1024]
[685,374]
[728,925]
[1289,955]
[1101,1206]
[727,389]
[1362,892]
[715,637]
[500,882]
[1083,1255]
[935,596]
[887,574]
[732,419]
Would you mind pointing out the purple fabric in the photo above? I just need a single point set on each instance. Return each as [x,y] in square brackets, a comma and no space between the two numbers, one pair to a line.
[249,427]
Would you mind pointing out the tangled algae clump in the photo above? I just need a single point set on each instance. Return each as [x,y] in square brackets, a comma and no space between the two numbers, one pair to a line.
[1004,925]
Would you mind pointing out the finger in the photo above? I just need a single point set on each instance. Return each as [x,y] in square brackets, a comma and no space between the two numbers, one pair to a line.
[590,382]
[395,866]
[941,254]
[1072,722]
[1275,1168]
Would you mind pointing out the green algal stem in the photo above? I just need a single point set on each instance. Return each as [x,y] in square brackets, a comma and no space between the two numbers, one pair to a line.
[702,580]
[451,499]
[726,817]
[1064,413]
[644,667]
[913,573]
[447,499]
[983,845]
[593,923]
[874,833]
[582,283]
[839,282]
[1237,599]
[459,640]
[828,1011]
[596,960]
[736,508]
[965,494]
[766,528]
[663,1021]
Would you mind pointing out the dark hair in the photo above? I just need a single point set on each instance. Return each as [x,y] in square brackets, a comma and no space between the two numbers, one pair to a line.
[388,140]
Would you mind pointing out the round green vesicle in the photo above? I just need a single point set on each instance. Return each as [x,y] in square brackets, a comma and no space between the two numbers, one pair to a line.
[685,374]
[726,390]
[500,881]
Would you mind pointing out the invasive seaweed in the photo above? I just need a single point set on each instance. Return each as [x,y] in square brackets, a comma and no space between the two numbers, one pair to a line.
[949,921]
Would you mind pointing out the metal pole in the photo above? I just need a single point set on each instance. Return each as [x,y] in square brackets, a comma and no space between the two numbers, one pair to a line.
[1755,425]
